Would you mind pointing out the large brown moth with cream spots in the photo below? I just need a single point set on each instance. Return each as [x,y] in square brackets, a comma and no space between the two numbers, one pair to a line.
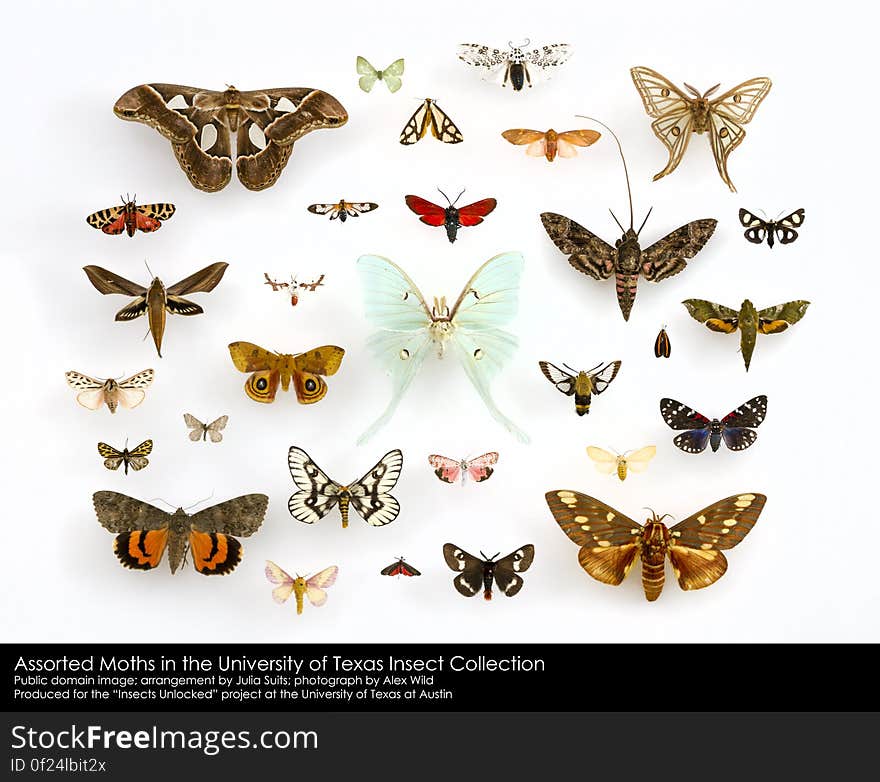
[611,542]
[626,260]
[202,124]
[678,115]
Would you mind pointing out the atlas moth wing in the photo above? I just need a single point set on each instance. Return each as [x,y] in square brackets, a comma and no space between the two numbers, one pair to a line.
[638,460]
[473,214]
[697,542]
[446,469]
[586,252]
[442,127]
[469,580]
[202,281]
[241,516]
[609,540]
[602,379]
[216,427]
[417,125]
[604,461]
[317,493]
[564,381]
[104,218]
[370,495]
[276,575]
[197,427]
[669,255]
[508,569]
[481,468]
[429,212]
[368,74]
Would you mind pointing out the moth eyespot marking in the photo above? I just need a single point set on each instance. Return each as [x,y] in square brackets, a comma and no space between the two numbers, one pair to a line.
[705,546]
[603,543]
[208,137]
[311,385]
[723,133]
[729,522]
[478,354]
[404,354]
[737,98]
[256,136]
[676,131]
[664,93]
[701,519]
[262,384]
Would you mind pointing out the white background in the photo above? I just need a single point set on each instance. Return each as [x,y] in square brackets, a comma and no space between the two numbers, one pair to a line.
[807,570]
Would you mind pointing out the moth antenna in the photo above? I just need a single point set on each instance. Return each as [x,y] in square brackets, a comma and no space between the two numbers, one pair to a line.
[618,222]
[645,221]
[483,555]
[708,92]
[495,555]
[445,196]
[526,42]
[160,499]
[149,270]
[199,502]
[459,196]
[571,369]
[695,91]
[623,160]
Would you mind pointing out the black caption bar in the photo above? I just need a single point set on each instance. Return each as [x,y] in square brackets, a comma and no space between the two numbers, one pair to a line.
[424,677]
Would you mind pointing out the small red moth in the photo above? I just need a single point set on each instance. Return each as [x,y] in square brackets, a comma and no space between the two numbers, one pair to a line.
[400,568]
[451,217]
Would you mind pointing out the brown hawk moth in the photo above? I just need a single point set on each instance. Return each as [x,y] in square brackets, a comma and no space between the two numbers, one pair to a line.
[200,124]
[626,260]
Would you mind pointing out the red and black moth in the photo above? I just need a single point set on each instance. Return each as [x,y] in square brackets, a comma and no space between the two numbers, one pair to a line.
[451,217]
[662,348]
[130,217]
[400,568]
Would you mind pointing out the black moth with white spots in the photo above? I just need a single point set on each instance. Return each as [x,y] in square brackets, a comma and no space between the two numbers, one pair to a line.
[758,229]
[475,573]
[736,428]
[519,66]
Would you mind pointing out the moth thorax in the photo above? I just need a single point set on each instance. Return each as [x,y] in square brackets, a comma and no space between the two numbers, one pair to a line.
[440,331]
[344,501]
[621,468]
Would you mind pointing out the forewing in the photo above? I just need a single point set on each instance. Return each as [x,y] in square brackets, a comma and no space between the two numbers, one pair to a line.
[605,462]
[748,414]
[144,449]
[587,252]
[322,209]
[368,74]
[446,469]
[109,282]
[370,495]
[202,281]
[602,379]
[580,138]
[473,214]
[638,460]
[785,226]
[778,318]
[563,380]
[444,128]
[469,580]
[491,296]
[275,575]
[105,217]
[112,457]
[522,136]
[430,213]
[507,569]
[391,299]
[756,228]
[716,316]
[416,126]
[481,468]
[248,357]
[326,578]
[216,427]
[669,255]
[240,516]
[741,102]
[197,427]
[120,513]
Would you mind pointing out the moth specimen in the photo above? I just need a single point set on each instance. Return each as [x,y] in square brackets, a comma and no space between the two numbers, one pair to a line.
[156,300]
[758,229]
[749,321]
[662,346]
[94,392]
[429,116]
[610,542]
[478,469]
[515,65]
[199,431]
[369,75]
[596,258]
[318,494]
[136,458]
[549,143]
[736,428]
[400,568]
[269,370]
[475,574]
[344,209]
[294,286]
[621,463]
[313,587]
[203,125]
[143,532]
[409,328]
[677,115]
[451,217]
[130,217]
[581,384]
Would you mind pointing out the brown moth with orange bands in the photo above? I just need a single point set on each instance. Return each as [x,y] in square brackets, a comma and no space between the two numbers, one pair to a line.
[273,369]
[611,542]
[201,125]
[144,532]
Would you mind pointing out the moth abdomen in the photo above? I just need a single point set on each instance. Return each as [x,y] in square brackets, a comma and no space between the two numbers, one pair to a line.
[621,469]
[344,501]
[653,578]
[582,404]
[626,292]
[516,72]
